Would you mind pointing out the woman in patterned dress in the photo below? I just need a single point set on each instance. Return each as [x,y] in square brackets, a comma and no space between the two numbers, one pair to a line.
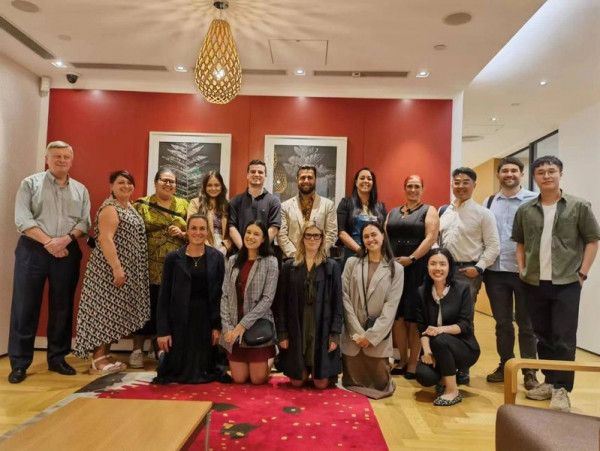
[212,203]
[114,299]
[164,215]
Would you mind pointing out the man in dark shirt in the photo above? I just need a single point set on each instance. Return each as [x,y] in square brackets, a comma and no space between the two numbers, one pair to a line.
[557,241]
[256,203]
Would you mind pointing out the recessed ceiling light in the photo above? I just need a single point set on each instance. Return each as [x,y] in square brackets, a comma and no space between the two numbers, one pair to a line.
[58,63]
[457,19]
[180,69]
[493,118]
[439,47]
[543,83]
[515,104]
[25,6]
[299,72]
[64,37]
[423,74]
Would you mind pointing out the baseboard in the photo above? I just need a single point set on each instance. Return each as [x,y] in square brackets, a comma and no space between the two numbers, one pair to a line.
[126,344]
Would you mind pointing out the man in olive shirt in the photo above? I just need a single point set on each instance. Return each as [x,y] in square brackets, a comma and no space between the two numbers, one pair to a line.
[51,212]
[557,241]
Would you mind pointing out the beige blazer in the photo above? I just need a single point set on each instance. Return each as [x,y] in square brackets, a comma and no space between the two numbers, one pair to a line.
[383,297]
[323,214]
[194,208]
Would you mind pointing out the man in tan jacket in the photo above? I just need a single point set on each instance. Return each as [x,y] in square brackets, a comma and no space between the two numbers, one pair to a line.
[307,205]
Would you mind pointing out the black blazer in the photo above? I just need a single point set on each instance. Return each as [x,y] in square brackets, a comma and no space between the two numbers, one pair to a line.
[457,308]
[347,213]
[176,286]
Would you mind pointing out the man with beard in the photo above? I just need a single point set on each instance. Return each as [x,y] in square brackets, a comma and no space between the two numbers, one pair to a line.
[306,206]
[256,203]
[502,282]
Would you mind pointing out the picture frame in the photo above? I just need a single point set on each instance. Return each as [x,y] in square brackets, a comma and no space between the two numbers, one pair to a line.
[190,155]
[285,154]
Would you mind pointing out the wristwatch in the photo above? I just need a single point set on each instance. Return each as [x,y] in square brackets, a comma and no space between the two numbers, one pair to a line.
[72,236]
[479,270]
[412,258]
[582,275]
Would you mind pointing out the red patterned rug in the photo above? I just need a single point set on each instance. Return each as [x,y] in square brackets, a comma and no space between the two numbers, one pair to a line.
[272,417]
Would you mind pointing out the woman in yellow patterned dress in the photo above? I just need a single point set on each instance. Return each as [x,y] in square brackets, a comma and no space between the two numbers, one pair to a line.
[164,216]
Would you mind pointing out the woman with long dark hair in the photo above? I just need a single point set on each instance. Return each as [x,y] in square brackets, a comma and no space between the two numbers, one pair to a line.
[445,321]
[372,287]
[358,209]
[212,203]
[114,298]
[248,292]
[188,316]
[412,229]
[310,311]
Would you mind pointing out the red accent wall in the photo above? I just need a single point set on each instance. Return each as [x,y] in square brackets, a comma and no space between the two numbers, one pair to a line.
[109,130]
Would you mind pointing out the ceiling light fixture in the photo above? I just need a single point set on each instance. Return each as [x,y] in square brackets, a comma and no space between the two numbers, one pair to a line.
[423,74]
[299,72]
[218,72]
[493,119]
[180,69]
[439,47]
[543,83]
[58,63]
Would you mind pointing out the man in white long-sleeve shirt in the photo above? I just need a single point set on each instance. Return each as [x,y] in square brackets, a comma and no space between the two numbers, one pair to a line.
[468,230]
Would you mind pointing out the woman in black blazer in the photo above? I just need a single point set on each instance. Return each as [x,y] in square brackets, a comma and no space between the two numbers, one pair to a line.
[445,321]
[188,310]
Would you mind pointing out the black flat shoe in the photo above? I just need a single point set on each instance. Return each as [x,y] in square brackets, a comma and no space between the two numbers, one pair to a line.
[17,375]
[441,402]
[397,371]
[410,376]
[63,368]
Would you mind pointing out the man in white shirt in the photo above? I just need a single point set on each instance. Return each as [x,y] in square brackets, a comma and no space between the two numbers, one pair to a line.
[306,206]
[502,282]
[468,231]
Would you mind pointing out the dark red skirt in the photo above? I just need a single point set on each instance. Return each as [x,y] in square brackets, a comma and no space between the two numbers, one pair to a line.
[251,355]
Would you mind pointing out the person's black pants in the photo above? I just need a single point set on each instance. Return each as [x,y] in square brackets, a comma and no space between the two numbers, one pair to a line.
[33,266]
[450,353]
[554,313]
[502,288]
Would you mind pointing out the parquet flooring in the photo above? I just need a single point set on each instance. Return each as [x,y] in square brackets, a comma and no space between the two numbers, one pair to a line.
[408,419]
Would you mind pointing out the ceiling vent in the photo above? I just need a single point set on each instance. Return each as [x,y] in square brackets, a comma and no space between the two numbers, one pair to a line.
[360,74]
[24,39]
[148,67]
[472,138]
[264,72]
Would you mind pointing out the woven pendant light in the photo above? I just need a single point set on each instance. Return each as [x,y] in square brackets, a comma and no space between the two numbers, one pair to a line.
[218,72]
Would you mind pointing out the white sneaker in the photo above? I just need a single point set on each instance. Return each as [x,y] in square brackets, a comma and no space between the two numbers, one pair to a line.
[541,392]
[136,359]
[560,400]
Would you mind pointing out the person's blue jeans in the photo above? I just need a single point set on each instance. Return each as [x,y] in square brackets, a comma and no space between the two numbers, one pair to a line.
[33,266]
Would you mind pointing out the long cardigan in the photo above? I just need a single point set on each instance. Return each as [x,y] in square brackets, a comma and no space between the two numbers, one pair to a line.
[258,296]
[175,289]
[328,317]
[457,308]
[383,297]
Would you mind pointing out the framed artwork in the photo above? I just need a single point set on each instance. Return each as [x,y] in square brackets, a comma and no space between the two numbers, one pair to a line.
[190,155]
[285,154]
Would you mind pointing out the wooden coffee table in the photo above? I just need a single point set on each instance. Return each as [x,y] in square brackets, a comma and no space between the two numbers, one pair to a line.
[111,424]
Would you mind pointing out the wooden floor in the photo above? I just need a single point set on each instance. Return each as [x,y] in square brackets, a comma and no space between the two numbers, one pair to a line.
[408,419]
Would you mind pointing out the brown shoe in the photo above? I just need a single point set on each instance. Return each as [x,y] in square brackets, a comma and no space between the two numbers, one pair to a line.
[530,380]
[497,375]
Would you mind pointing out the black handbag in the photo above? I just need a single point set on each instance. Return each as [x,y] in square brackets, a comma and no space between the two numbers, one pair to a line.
[260,333]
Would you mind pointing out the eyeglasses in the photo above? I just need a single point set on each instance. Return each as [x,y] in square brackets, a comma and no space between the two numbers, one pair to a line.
[167,181]
[313,236]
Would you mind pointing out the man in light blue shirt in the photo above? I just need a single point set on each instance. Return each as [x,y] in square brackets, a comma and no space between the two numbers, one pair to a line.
[502,282]
[52,211]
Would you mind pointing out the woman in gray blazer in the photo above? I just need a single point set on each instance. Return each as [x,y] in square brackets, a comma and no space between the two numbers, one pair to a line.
[372,287]
[248,292]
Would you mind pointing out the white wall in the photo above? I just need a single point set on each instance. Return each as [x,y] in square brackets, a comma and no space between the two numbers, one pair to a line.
[579,150]
[20,106]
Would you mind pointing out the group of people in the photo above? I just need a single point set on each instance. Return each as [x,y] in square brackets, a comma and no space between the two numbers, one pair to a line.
[195,275]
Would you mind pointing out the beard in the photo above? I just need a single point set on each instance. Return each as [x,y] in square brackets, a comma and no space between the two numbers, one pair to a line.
[306,189]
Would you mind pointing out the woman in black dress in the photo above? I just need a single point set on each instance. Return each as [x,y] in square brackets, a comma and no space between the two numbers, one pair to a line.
[188,318]
[310,312]
[412,229]
[445,321]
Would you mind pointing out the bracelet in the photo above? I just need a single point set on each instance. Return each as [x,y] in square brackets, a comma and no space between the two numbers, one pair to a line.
[582,275]
[72,236]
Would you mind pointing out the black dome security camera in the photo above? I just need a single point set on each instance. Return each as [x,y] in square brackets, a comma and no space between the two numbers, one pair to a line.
[72,78]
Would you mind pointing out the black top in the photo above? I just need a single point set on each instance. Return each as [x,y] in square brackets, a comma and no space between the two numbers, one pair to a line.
[243,210]
[347,213]
[457,308]
[406,233]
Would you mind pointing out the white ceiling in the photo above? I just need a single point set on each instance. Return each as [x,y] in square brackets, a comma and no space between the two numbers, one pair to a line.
[349,35]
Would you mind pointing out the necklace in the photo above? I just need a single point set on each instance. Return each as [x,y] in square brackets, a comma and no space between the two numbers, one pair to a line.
[410,210]
[196,260]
